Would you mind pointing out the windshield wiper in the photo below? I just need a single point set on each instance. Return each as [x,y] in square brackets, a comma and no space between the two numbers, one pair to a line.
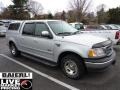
[76,32]
[64,33]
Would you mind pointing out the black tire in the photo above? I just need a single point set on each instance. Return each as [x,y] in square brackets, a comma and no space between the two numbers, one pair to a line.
[75,61]
[13,49]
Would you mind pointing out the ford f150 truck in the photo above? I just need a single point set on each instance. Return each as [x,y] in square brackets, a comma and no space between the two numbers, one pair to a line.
[55,42]
[99,30]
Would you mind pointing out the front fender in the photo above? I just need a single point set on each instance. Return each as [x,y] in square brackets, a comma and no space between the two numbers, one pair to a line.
[80,50]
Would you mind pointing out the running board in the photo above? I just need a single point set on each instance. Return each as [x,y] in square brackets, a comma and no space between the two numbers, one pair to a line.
[41,60]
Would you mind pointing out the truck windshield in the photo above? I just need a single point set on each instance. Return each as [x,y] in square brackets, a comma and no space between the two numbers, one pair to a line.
[61,28]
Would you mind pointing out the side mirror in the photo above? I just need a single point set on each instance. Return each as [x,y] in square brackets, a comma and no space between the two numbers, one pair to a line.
[45,34]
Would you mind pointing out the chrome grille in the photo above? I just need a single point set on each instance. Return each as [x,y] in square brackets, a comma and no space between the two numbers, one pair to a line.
[108,50]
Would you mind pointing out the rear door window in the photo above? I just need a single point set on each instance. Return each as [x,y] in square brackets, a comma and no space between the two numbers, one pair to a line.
[29,29]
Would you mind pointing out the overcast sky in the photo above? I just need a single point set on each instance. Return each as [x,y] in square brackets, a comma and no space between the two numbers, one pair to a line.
[60,5]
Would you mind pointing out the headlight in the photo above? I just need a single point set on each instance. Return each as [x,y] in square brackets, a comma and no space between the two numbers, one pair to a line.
[96,52]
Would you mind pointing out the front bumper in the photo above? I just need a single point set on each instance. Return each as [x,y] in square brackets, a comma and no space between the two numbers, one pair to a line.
[118,43]
[100,63]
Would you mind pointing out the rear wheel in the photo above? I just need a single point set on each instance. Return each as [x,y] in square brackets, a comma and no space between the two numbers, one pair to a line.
[72,66]
[13,49]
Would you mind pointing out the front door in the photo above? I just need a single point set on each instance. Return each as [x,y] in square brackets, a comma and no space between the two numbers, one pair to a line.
[43,45]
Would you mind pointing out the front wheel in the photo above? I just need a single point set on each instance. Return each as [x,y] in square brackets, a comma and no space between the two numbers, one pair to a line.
[72,66]
[13,49]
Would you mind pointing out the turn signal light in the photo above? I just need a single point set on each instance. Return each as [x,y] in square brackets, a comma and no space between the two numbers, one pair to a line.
[91,53]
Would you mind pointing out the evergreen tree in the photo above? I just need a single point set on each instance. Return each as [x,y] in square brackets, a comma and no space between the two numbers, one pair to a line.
[19,10]
[50,16]
[114,15]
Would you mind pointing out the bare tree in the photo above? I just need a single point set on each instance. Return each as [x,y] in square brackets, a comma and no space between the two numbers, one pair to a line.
[35,7]
[71,16]
[80,8]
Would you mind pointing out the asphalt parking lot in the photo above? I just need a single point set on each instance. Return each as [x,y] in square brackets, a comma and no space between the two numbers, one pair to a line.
[50,78]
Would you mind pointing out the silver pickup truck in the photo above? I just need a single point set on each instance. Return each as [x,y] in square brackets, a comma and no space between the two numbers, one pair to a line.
[55,42]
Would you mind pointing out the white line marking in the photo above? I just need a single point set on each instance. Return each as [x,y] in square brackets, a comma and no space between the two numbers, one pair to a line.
[42,74]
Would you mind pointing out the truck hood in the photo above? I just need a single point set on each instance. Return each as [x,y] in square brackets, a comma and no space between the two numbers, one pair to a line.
[84,39]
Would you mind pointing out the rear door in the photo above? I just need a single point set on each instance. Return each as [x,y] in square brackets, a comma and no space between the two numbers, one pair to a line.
[26,40]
